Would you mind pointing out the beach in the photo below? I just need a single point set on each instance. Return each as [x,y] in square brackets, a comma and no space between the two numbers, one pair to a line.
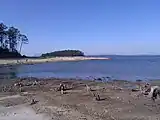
[91,98]
[117,100]
[79,60]
[44,60]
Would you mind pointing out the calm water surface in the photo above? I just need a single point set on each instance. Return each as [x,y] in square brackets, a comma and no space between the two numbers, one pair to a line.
[120,67]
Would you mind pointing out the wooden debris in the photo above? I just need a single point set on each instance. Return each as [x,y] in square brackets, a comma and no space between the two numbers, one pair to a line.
[135,90]
[62,91]
[88,88]
[98,98]
[35,82]
[62,88]
[19,84]
[33,102]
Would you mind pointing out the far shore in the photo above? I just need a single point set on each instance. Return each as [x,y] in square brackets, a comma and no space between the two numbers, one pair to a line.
[44,60]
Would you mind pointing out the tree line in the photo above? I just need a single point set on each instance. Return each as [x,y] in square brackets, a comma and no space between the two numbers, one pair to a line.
[11,41]
[64,53]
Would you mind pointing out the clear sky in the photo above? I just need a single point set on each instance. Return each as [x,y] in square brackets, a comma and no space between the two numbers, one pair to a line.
[93,26]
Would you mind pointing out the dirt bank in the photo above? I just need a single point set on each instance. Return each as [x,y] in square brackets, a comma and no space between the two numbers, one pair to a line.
[116,100]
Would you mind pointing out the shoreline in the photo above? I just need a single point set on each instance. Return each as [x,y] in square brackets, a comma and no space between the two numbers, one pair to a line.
[45,60]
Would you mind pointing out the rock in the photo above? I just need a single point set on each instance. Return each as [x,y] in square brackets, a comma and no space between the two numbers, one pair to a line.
[135,90]
[146,93]
[99,79]
[138,80]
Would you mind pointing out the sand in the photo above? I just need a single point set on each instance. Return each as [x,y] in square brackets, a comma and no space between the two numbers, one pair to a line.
[117,101]
[55,59]
[19,111]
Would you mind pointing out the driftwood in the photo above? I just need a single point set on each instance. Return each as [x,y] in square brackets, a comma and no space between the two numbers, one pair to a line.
[33,102]
[19,84]
[97,97]
[62,91]
[35,82]
[135,90]
[88,88]
[61,88]
[22,84]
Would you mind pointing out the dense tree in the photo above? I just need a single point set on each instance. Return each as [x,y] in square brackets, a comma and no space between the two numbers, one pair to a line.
[3,34]
[23,40]
[13,37]
[10,40]
[64,53]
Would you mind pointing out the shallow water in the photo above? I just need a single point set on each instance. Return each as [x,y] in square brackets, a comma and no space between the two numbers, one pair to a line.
[120,67]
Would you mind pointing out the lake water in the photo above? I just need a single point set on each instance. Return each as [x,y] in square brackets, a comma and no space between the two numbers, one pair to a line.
[120,67]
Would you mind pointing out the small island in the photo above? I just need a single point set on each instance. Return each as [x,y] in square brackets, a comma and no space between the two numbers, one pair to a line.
[63,53]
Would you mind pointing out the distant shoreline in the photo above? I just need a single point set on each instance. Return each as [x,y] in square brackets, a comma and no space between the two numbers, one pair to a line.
[45,60]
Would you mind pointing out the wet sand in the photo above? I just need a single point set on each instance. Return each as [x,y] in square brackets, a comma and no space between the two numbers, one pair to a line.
[38,60]
[117,101]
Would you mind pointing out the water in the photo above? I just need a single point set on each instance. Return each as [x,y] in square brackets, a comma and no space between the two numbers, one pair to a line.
[120,67]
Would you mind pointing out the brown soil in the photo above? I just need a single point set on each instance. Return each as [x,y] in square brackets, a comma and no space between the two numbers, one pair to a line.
[117,101]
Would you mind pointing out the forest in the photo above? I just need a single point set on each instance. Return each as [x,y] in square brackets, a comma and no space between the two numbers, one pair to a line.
[64,53]
[11,41]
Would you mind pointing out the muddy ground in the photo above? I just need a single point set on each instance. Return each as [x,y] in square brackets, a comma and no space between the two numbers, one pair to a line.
[42,101]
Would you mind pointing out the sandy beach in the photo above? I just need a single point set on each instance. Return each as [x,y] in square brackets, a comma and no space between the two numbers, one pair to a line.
[38,60]
[117,101]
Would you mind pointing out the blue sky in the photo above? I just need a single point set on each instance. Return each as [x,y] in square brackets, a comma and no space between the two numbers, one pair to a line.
[93,26]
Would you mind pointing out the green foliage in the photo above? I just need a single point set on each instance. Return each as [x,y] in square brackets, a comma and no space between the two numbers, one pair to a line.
[5,53]
[3,35]
[64,53]
[13,34]
[23,39]
[10,41]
